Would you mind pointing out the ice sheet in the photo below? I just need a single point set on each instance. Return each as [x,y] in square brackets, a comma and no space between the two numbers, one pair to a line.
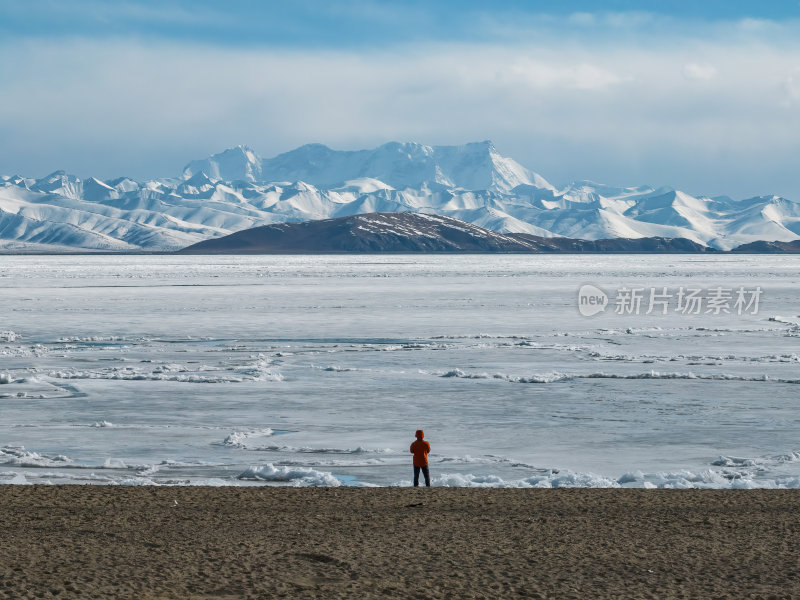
[318,369]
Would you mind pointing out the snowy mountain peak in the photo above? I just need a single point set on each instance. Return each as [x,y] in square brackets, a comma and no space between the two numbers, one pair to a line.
[410,149]
[199,183]
[400,165]
[54,175]
[54,178]
[124,184]
[97,191]
[233,164]
[93,181]
[60,183]
[200,178]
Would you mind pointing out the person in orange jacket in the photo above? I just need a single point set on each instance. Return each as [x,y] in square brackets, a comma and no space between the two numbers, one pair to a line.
[420,450]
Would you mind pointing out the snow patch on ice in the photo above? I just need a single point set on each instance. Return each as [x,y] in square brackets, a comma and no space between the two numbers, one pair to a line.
[681,479]
[131,374]
[133,481]
[114,463]
[757,464]
[557,377]
[310,450]
[16,479]
[296,476]
[64,477]
[785,321]
[104,339]
[20,457]
[237,439]
[550,480]
[261,370]
[365,462]
[485,459]
[685,479]
[543,378]
[9,336]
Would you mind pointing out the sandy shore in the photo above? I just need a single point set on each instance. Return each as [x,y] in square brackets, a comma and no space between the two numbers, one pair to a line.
[111,542]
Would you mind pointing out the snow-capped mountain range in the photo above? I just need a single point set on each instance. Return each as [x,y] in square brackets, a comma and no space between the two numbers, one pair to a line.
[236,190]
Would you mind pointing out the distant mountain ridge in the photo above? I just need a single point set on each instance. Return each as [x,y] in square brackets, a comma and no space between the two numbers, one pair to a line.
[770,247]
[474,166]
[236,190]
[411,233]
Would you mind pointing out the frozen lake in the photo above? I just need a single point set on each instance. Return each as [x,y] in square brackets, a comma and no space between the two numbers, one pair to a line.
[306,370]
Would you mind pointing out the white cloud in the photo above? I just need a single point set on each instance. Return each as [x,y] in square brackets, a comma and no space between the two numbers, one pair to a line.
[613,113]
[699,72]
[548,75]
[791,89]
[582,18]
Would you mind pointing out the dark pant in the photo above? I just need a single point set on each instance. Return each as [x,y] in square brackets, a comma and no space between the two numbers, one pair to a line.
[425,473]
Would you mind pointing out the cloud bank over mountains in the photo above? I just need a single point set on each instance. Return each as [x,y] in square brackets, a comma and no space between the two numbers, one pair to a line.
[711,106]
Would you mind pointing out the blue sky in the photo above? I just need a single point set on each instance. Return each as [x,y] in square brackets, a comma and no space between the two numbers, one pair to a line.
[352,24]
[703,96]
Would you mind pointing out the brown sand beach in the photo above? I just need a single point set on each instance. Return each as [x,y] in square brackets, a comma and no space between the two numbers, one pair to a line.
[268,542]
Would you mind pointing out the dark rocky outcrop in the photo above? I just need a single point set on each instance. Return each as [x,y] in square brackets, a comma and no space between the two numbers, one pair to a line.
[762,247]
[412,233]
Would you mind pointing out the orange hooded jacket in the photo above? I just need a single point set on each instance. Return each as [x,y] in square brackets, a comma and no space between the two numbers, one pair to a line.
[420,450]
